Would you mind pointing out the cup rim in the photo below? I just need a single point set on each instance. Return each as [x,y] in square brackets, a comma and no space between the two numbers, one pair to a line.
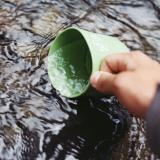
[50,52]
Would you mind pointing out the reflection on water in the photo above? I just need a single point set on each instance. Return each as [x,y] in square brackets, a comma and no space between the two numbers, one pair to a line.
[35,121]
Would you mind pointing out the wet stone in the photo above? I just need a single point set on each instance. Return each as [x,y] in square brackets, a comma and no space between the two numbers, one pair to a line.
[36,122]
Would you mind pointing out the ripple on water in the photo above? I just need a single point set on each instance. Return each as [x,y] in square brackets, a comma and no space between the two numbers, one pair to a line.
[36,122]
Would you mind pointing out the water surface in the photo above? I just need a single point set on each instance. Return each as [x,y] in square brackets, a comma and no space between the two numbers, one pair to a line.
[36,122]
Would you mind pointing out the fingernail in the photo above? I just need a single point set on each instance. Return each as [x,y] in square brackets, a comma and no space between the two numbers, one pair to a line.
[94,78]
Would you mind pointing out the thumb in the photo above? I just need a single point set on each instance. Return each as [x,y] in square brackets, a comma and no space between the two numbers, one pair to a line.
[103,82]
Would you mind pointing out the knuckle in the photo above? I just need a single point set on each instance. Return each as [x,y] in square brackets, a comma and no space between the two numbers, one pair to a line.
[99,80]
[137,52]
[102,81]
[119,83]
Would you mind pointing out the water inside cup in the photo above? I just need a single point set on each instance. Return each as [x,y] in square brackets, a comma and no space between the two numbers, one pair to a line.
[70,68]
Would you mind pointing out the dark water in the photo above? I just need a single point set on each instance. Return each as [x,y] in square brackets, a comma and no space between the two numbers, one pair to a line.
[35,121]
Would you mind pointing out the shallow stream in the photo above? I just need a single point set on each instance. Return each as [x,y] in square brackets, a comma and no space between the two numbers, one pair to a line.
[36,122]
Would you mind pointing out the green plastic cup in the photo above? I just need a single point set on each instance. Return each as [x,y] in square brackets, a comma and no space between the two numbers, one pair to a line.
[74,55]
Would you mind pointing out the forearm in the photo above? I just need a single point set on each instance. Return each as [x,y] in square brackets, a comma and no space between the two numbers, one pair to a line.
[153,123]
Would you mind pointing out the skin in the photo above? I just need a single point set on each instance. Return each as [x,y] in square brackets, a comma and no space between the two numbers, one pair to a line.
[132,77]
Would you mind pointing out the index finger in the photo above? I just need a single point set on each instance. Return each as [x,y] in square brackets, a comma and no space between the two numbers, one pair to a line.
[116,63]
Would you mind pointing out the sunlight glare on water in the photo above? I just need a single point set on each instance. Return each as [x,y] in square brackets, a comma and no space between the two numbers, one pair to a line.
[36,122]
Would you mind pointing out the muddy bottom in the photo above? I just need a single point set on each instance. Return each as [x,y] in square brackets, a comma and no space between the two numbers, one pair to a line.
[36,122]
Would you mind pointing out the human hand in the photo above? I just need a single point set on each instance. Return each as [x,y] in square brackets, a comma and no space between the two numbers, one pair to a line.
[132,77]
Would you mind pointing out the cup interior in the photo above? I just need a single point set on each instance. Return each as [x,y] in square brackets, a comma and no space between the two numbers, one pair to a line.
[70,63]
